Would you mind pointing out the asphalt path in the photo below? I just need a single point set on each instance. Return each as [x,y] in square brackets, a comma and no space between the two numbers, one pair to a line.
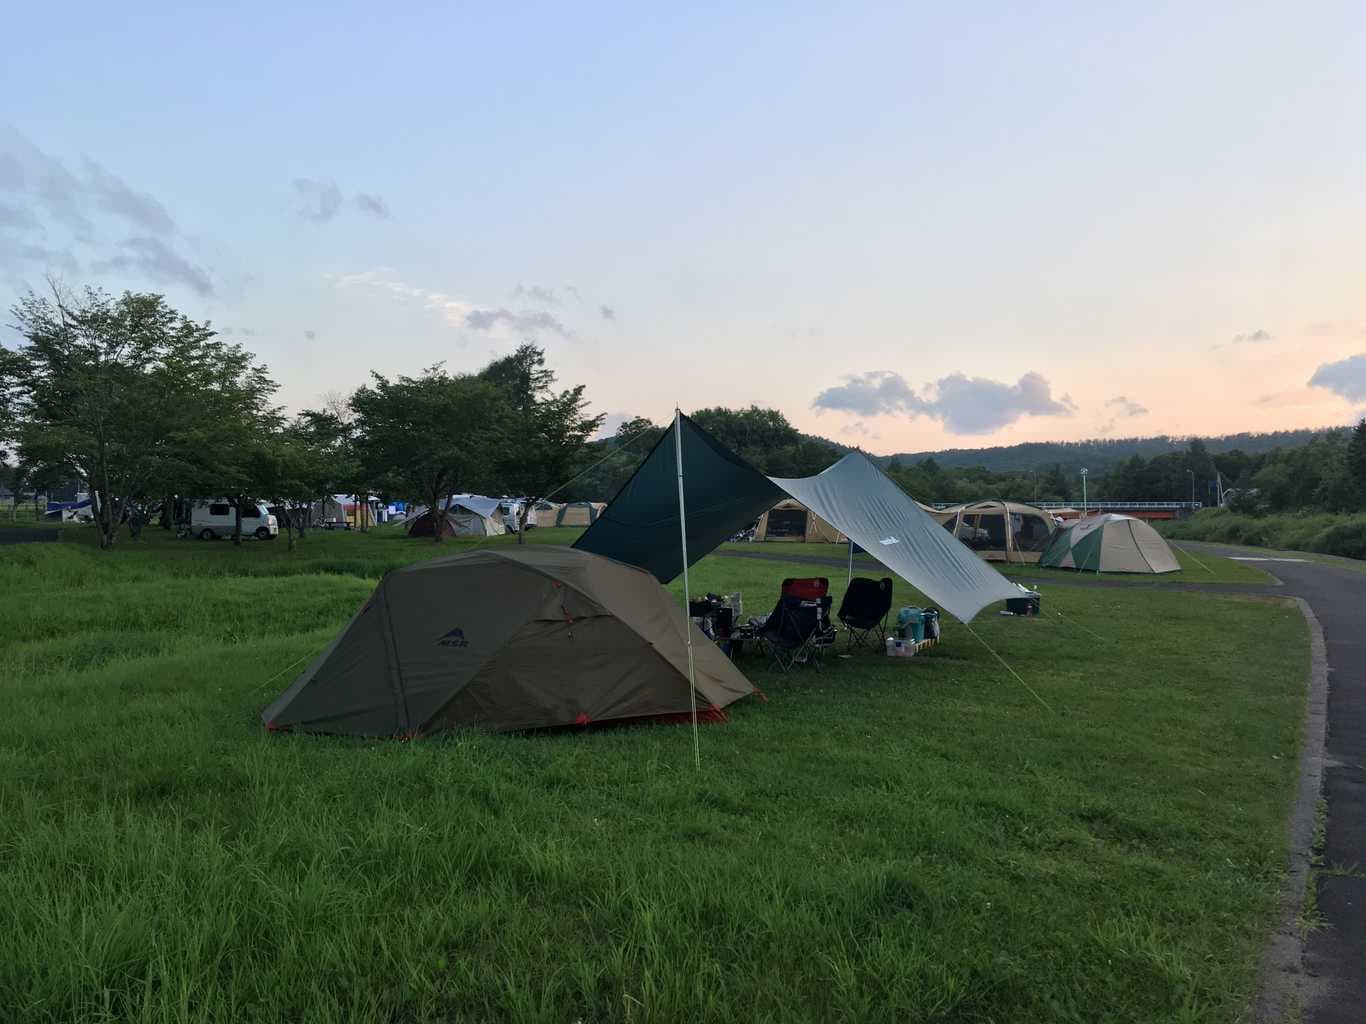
[1334,956]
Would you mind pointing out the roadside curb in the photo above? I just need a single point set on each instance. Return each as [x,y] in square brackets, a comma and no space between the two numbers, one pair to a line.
[1284,989]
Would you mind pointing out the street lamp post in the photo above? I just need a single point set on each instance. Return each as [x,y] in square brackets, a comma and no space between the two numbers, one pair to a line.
[1083,493]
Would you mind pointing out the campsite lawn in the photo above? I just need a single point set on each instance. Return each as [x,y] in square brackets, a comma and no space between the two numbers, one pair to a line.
[1201,568]
[886,840]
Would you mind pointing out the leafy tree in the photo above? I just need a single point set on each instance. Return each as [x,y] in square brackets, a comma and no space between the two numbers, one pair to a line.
[330,434]
[612,460]
[291,470]
[1356,463]
[126,392]
[551,427]
[1055,485]
[765,439]
[432,436]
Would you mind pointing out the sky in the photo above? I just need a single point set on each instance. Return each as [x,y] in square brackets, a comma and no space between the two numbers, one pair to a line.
[908,227]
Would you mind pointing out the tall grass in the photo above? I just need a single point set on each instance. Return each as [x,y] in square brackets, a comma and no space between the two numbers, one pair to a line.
[888,840]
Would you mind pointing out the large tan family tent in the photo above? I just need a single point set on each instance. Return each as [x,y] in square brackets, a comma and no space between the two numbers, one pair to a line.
[999,531]
[509,638]
[579,513]
[791,520]
[1110,543]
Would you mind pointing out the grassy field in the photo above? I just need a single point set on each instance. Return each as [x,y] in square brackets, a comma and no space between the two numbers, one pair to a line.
[888,840]
[1194,568]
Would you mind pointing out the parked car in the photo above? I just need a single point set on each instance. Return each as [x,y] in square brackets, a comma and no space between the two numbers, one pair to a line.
[216,518]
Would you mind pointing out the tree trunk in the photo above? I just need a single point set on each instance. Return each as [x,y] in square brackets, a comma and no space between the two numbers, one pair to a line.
[363,511]
[522,518]
[438,516]
[237,522]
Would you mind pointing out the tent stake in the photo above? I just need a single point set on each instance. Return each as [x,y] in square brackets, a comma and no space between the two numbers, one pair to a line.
[687,594]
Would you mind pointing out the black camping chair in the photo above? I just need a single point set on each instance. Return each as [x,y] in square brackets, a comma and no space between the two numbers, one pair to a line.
[798,632]
[864,610]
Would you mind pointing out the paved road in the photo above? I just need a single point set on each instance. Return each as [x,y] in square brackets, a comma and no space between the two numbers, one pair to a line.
[1335,956]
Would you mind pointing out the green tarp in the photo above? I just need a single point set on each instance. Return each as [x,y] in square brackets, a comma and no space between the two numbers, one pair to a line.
[723,494]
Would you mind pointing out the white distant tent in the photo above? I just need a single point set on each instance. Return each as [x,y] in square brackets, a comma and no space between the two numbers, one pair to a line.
[465,515]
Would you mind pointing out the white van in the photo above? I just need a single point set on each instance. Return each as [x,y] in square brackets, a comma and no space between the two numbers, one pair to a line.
[215,518]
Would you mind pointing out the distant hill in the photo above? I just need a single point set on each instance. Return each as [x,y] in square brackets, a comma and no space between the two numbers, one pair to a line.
[1098,454]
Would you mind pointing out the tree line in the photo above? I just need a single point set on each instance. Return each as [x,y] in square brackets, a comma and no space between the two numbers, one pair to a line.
[1327,473]
[147,406]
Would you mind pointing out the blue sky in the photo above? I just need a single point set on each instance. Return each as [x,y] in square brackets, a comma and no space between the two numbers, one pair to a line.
[906,228]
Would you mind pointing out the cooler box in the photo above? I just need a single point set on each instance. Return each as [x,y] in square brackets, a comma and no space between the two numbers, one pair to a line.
[910,624]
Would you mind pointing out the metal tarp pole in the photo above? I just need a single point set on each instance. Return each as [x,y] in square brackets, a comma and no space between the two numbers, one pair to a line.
[851,563]
[687,594]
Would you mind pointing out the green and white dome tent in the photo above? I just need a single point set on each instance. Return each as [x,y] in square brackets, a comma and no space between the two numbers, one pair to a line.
[1109,543]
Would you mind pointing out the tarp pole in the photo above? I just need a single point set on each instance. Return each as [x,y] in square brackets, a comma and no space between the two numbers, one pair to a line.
[687,594]
[851,563]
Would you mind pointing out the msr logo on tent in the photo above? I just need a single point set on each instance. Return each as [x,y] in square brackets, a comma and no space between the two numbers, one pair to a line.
[455,638]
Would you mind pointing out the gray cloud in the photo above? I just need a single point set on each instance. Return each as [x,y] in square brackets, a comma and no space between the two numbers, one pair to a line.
[70,203]
[526,323]
[113,195]
[316,199]
[575,293]
[1346,377]
[1122,406]
[607,312]
[1251,337]
[70,197]
[536,293]
[27,171]
[965,405]
[311,335]
[160,263]
[372,204]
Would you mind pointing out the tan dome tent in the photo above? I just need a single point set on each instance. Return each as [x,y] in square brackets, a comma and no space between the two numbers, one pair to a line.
[1110,543]
[792,521]
[509,638]
[579,513]
[999,531]
[543,513]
